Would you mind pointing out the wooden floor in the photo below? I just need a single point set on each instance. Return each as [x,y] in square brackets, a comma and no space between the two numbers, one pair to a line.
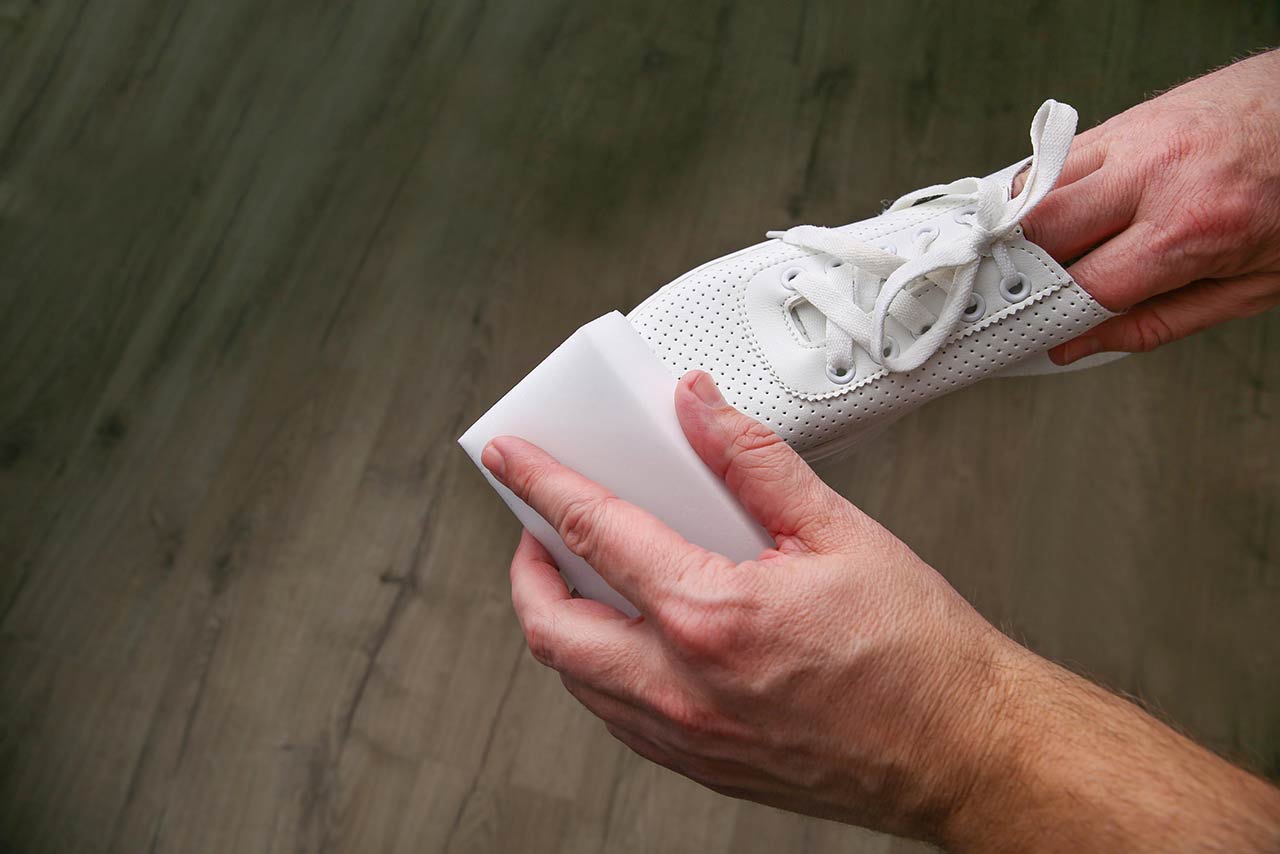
[262,260]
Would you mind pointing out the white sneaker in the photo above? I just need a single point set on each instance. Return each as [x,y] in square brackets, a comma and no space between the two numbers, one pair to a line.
[828,335]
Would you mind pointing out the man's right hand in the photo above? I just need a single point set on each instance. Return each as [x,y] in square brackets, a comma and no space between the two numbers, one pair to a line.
[840,676]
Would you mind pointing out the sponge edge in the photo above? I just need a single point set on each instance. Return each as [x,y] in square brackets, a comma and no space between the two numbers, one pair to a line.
[602,404]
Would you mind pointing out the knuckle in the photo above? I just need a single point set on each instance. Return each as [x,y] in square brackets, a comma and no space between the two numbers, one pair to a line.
[1148,331]
[754,440]
[1187,140]
[529,480]
[1207,210]
[713,629]
[700,633]
[539,629]
[756,452]
[1160,238]
[697,565]
[1260,300]
[1235,215]
[691,720]
[1165,238]
[1182,241]
[1207,224]
[844,529]
[580,522]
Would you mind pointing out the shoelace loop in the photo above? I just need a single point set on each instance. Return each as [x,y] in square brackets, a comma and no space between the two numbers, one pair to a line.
[845,293]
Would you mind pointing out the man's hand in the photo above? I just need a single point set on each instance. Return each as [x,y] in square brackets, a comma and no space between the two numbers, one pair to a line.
[838,675]
[1173,210]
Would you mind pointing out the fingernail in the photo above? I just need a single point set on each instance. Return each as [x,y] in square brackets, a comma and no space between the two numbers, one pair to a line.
[705,388]
[1018,181]
[493,461]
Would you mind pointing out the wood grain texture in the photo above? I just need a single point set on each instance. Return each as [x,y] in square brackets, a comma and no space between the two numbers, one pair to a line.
[260,263]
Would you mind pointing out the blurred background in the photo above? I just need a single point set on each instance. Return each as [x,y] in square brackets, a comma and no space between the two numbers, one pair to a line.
[261,261]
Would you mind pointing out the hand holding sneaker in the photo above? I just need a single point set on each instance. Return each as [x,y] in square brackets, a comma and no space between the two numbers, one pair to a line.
[840,676]
[828,335]
[1177,204]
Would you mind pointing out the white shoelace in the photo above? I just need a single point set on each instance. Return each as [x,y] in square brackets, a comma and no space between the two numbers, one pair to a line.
[861,276]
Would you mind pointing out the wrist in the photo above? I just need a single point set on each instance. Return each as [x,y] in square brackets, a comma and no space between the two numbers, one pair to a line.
[1051,773]
[1068,766]
[994,749]
[967,742]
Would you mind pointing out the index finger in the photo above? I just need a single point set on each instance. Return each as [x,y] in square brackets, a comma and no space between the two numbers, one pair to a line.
[633,551]
[538,588]
[588,642]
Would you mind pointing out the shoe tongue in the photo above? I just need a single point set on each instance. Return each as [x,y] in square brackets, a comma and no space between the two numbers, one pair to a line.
[811,323]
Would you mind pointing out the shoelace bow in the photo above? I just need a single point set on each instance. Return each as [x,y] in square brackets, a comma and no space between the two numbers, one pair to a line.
[857,269]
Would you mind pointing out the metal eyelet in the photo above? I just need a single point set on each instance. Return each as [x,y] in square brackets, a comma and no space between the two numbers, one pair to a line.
[833,263]
[963,215]
[887,247]
[975,310]
[839,376]
[929,231]
[789,275]
[1014,288]
[890,350]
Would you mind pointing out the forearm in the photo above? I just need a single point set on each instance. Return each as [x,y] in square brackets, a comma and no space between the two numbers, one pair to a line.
[1075,768]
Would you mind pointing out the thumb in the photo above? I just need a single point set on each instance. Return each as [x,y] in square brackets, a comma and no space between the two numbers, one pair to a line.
[769,478]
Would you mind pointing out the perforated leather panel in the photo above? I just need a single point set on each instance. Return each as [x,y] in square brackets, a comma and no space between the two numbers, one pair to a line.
[698,321]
